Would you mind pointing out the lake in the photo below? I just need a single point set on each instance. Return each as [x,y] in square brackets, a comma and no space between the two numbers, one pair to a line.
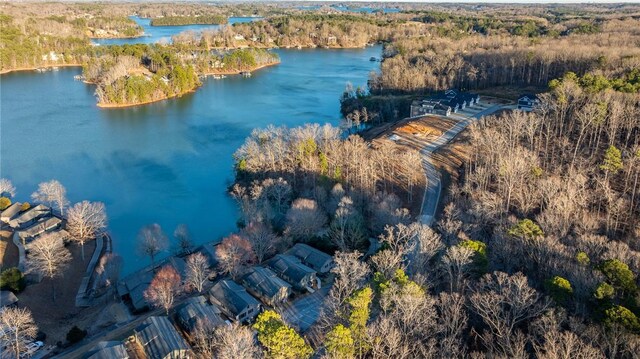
[153,34]
[168,162]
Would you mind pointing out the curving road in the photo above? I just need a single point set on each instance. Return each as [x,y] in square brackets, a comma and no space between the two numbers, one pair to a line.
[433,177]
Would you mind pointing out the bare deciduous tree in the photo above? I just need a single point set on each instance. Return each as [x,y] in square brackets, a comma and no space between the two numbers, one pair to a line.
[197,271]
[456,263]
[7,188]
[48,257]
[504,302]
[182,235]
[18,328]
[108,270]
[86,221]
[262,239]
[52,193]
[226,342]
[234,253]
[305,219]
[164,288]
[151,241]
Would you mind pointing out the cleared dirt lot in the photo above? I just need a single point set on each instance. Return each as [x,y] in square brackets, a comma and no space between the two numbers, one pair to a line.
[55,318]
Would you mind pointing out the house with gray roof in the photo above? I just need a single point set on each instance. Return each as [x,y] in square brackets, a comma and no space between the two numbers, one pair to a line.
[108,350]
[312,258]
[10,212]
[27,218]
[160,340]
[234,301]
[131,289]
[44,224]
[263,283]
[197,311]
[209,251]
[293,271]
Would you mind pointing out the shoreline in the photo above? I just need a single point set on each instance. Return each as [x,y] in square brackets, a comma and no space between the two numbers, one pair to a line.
[237,72]
[125,105]
[22,69]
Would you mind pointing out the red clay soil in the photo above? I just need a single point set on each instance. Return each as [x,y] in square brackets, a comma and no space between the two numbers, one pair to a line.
[55,318]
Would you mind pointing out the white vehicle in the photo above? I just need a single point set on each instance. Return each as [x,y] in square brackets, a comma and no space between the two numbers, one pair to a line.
[32,348]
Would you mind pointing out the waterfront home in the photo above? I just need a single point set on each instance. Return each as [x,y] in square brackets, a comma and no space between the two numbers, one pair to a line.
[291,270]
[429,107]
[197,311]
[311,257]
[160,340]
[234,301]
[27,218]
[108,350]
[263,283]
[10,212]
[528,102]
[131,289]
[44,224]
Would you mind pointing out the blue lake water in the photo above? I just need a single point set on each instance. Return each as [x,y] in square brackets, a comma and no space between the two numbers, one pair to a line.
[168,162]
[153,34]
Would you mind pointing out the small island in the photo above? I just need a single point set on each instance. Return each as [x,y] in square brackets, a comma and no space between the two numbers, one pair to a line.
[135,75]
[190,20]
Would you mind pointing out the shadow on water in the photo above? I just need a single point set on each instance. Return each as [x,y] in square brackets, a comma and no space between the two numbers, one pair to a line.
[169,162]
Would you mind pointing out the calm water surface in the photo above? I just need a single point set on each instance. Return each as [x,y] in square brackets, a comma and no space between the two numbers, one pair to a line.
[153,34]
[168,162]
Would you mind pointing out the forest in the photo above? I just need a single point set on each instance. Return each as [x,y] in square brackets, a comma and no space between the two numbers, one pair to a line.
[536,254]
[135,74]
[189,20]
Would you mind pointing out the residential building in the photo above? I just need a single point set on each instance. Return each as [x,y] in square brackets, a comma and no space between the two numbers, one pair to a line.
[293,271]
[528,102]
[429,107]
[312,258]
[263,283]
[197,311]
[44,224]
[27,218]
[160,340]
[108,350]
[234,301]
[10,212]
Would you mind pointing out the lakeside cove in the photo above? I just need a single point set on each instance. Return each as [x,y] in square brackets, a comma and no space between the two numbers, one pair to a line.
[168,161]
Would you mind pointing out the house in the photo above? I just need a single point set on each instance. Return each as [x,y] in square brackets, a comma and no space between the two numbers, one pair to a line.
[27,218]
[263,283]
[131,288]
[108,350]
[312,258]
[7,299]
[160,339]
[427,107]
[43,225]
[234,301]
[10,212]
[528,102]
[198,311]
[297,274]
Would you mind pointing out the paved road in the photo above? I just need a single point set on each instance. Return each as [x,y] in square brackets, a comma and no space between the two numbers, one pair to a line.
[434,181]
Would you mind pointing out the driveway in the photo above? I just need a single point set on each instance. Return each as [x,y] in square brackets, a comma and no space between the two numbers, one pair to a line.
[434,182]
